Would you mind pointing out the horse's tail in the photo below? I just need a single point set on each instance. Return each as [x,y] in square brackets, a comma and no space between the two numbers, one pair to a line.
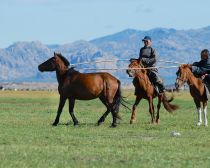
[118,100]
[166,103]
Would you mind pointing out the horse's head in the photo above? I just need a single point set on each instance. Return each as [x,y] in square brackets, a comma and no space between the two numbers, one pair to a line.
[132,70]
[57,62]
[182,75]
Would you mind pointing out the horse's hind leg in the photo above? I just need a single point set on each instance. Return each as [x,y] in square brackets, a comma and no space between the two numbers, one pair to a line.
[133,115]
[205,113]
[158,109]
[114,116]
[71,111]
[60,108]
[102,119]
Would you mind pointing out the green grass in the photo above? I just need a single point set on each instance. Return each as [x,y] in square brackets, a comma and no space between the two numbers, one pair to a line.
[27,138]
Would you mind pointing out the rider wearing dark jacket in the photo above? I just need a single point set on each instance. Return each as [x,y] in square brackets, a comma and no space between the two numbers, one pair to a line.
[203,66]
[148,57]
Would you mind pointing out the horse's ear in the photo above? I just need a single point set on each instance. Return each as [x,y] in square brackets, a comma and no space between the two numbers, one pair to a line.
[190,66]
[183,65]
[54,54]
[132,59]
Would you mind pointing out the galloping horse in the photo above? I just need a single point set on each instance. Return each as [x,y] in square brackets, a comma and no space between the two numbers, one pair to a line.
[144,89]
[83,86]
[197,90]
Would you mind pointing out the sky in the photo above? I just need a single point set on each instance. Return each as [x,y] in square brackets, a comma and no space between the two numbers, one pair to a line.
[66,21]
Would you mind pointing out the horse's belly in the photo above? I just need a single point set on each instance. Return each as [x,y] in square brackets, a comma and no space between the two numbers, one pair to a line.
[87,87]
[85,98]
[83,94]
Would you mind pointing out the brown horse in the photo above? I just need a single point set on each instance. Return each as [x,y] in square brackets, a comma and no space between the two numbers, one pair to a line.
[197,89]
[75,85]
[144,89]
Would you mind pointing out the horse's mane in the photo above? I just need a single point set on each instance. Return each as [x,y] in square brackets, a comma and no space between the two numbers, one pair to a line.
[66,62]
[141,64]
[72,71]
[184,66]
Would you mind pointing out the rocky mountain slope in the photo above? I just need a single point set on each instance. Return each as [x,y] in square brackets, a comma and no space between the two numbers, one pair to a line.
[19,61]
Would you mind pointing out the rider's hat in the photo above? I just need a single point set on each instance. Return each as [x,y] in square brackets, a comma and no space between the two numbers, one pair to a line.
[146,38]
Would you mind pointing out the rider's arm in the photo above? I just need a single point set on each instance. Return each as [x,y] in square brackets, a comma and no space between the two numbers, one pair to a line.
[200,63]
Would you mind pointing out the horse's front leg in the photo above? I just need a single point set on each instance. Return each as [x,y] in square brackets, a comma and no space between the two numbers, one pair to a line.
[198,106]
[60,108]
[205,113]
[71,111]
[133,115]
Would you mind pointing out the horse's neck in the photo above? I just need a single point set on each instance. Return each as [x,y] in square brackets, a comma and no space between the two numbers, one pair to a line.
[144,81]
[68,73]
[192,81]
[60,77]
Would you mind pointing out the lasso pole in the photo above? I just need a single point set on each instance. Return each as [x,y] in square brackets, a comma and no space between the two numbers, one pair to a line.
[91,62]
[116,69]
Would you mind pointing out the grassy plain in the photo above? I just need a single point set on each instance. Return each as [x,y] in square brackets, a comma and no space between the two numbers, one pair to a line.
[27,138]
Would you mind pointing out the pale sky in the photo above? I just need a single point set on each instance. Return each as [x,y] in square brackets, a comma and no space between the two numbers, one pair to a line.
[65,21]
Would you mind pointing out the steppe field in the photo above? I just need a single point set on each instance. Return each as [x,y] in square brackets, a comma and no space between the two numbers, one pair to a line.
[28,140]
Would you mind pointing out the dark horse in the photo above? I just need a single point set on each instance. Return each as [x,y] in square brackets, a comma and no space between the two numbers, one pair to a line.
[83,86]
[144,89]
[197,89]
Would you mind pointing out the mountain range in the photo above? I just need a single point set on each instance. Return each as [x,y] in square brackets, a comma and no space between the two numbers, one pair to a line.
[19,61]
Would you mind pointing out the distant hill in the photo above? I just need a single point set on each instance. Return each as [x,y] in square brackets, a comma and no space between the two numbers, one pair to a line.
[19,61]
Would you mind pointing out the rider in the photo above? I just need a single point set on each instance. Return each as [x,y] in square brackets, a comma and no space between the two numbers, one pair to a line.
[148,57]
[202,68]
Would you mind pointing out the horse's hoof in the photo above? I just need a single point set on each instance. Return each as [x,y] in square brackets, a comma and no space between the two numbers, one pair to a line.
[158,121]
[132,121]
[199,124]
[54,124]
[76,124]
[113,125]
[99,123]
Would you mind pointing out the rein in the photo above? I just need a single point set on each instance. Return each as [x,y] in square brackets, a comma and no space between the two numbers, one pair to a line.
[186,80]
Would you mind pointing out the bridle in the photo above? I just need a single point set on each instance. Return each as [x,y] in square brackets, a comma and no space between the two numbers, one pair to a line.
[180,79]
[183,80]
[137,73]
